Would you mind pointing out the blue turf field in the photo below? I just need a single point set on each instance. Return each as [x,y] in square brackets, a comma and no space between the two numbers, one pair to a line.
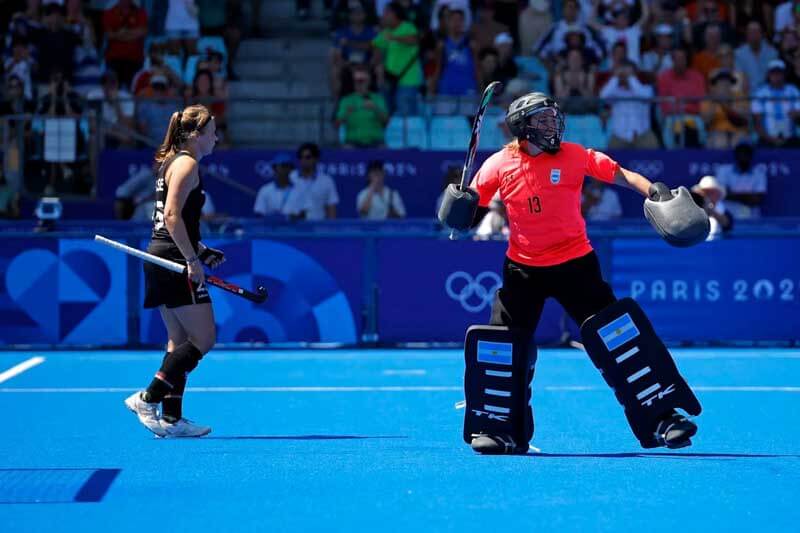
[370,441]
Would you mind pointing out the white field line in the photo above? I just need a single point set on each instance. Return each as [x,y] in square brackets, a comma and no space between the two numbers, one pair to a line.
[20,368]
[423,388]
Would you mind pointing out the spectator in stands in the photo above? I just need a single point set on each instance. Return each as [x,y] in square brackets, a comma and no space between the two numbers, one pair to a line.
[488,63]
[494,225]
[536,19]
[659,59]
[485,29]
[20,65]
[280,199]
[630,125]
[506,66]
[456,69]
[776,109]
[624,30]
[16,132]
[153,113]
[116,110]
[753,56]
[88,70]
[15,102]
[125,27]
[182,27]
[436,10]
[787,43]
[793,68]
[707,59]
[726,114]
[554,41]
[574,86]
[682,89]
[599,202]
[377,201]
[141,82]
[363,113]
[24,24]
[745,183]
[352,45]
[316,188]
[9,199]
[786,15]
[709,12]
[212,62]
[134,198]
[710,195]
[727,62]
[744,11]
[398,59]
[576,40]
[55,44]
[204,91]
[60,100]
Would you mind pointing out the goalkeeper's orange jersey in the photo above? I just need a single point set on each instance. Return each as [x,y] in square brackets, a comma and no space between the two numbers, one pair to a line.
[542,195]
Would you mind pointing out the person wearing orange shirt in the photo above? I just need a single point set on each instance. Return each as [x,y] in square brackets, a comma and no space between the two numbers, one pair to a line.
[539,180]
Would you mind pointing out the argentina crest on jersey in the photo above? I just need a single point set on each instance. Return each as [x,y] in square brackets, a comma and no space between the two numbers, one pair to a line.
[555,176]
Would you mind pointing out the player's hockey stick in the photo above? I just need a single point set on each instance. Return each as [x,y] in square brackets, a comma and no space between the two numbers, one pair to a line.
[256,297]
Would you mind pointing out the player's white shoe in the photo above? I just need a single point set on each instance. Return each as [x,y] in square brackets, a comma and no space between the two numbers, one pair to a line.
[183,428]
[146,412]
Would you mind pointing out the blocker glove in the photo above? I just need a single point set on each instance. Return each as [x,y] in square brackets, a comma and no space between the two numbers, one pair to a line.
[675,215]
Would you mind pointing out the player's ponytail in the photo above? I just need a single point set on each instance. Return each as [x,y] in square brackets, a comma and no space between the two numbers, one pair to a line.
[182,125]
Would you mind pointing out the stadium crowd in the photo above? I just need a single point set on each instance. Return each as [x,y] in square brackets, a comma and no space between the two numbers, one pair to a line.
[652,73]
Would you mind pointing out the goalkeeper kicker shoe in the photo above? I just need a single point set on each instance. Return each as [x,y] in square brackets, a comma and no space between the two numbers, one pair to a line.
[183,428]
[496,445]
[675,431]
[146,412]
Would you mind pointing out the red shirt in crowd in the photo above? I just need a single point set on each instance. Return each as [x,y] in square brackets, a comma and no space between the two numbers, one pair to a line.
[691,84]
[115,19]
[542,195]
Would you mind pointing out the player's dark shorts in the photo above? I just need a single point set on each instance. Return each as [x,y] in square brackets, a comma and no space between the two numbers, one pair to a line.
[578,285]
[164,287]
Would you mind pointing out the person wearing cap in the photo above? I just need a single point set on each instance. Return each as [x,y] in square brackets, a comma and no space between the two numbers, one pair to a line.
[153,113]
[280,199]
[745,182]
[506,66]
[776,108]
[726,114]
[116,110]
[755,54]
[659,58]
[710,195]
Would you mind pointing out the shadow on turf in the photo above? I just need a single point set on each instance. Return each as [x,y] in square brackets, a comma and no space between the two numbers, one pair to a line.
[626,455]
[306,437]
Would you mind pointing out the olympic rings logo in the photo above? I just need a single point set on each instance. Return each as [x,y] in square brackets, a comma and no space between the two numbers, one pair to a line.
[474,294]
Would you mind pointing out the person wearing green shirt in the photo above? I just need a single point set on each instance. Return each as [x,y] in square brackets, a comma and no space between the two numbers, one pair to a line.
[363,113]
[398,47]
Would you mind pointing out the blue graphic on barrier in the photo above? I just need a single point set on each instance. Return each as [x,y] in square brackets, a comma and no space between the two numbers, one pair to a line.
[736,289]
[307,302]
[432,289]
[62,292]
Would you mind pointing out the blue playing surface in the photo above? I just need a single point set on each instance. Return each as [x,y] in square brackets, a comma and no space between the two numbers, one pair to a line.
[371,441]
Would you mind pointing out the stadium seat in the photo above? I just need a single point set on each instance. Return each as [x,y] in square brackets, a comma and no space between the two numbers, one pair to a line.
[176,64]
[492,135]
[586,130]
[215,43]
[449,133]
[406,132]
[534,71]
[190,69]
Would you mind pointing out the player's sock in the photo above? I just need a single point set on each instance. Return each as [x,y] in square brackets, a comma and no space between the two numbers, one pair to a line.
[172,404]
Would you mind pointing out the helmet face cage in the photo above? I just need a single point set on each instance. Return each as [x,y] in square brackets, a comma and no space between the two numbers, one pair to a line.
[544,128]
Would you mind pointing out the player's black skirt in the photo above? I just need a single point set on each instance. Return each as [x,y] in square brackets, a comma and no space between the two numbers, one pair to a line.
[164,287]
